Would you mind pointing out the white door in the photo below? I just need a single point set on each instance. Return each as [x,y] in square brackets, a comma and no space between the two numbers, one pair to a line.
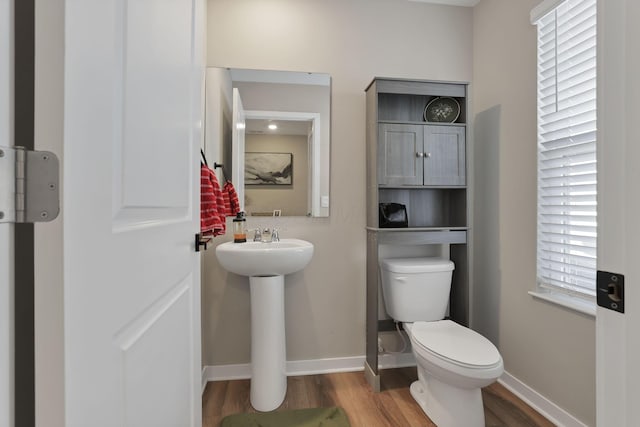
[618,346]
[132,130]
[238,129]
[6,230]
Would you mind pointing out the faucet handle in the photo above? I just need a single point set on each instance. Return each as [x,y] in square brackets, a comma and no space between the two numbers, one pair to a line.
[257,235]
[275,235]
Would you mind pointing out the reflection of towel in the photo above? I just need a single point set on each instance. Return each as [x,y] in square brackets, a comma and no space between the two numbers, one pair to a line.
[231,203]
[212,211]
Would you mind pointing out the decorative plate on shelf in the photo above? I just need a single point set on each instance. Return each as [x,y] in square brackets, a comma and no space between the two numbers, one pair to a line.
[442,109]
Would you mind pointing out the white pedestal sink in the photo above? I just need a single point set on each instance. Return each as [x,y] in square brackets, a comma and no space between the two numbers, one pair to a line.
[266,264]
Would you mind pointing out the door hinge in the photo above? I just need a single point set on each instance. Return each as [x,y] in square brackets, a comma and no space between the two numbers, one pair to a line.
[29,185]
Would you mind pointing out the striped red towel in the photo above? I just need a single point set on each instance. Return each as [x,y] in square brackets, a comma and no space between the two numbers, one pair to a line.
[212,206]
[231,203]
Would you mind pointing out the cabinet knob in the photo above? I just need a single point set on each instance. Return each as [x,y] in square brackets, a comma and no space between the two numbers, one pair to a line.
[427,155]
[418,154]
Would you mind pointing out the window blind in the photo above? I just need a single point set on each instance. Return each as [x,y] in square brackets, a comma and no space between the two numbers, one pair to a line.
[566,249]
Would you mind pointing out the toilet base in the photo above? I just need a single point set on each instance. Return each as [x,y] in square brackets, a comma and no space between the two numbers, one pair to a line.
[446,405]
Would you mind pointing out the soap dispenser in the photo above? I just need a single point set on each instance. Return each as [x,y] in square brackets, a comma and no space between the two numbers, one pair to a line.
[239,228]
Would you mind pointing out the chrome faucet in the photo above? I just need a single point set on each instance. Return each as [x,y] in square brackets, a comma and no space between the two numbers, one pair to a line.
[266,235]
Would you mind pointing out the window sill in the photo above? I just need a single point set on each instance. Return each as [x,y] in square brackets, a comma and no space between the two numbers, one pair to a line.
[573,303]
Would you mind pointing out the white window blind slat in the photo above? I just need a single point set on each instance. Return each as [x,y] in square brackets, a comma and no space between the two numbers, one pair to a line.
[581,62]
[579,273]
[571,239]
[550,138]
[575,33]
[573,264]
[585,103]
[580,172]
[576,279]
[558,157]
[549,200]
[565,228]
[576,120]
[575,26]
[575,41]
[571,13]
[567,123]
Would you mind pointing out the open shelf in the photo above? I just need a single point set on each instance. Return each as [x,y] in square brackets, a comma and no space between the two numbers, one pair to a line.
[430,207]
[405,108]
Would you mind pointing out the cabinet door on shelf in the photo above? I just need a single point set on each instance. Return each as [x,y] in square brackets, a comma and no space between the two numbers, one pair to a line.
[400,149]
[444,155]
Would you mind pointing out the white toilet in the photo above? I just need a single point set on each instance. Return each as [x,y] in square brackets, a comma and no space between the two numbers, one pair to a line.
[454,362]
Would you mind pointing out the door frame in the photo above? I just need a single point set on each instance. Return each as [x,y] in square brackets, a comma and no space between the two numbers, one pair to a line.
[7,402]
[617,347]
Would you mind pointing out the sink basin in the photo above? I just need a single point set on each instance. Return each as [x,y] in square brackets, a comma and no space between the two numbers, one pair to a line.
[265,258]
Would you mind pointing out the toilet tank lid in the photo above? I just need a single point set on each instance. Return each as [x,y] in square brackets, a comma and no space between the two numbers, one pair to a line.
[416,265]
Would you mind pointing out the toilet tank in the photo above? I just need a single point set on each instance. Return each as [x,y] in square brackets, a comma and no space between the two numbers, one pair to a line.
[416,289]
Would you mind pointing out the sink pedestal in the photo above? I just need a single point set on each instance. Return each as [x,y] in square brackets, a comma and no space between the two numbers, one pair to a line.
[268,346]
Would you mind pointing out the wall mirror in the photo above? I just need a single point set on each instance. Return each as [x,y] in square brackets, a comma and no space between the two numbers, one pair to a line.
[271,130]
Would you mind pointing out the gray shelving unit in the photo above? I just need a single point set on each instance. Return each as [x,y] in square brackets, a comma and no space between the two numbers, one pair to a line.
[423,166]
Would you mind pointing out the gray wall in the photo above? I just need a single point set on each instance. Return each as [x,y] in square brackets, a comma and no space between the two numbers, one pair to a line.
[353,41]
[538,340]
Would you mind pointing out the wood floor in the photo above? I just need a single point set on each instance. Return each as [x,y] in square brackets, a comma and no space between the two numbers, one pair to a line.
[392,407]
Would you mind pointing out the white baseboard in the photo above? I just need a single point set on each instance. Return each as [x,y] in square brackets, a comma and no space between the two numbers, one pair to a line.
[226,372]
[544,406]
[203,379]
[307,367]
[325,366]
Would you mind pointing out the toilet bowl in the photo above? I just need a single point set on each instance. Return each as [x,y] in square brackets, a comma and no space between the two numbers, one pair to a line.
[453,362]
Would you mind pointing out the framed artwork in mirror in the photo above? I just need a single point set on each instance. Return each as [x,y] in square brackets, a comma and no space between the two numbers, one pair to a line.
[268,168]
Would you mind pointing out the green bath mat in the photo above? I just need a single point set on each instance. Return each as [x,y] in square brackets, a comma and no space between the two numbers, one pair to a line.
[313,417]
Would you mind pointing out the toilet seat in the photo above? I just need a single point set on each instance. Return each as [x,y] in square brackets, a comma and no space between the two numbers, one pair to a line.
[455,344]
